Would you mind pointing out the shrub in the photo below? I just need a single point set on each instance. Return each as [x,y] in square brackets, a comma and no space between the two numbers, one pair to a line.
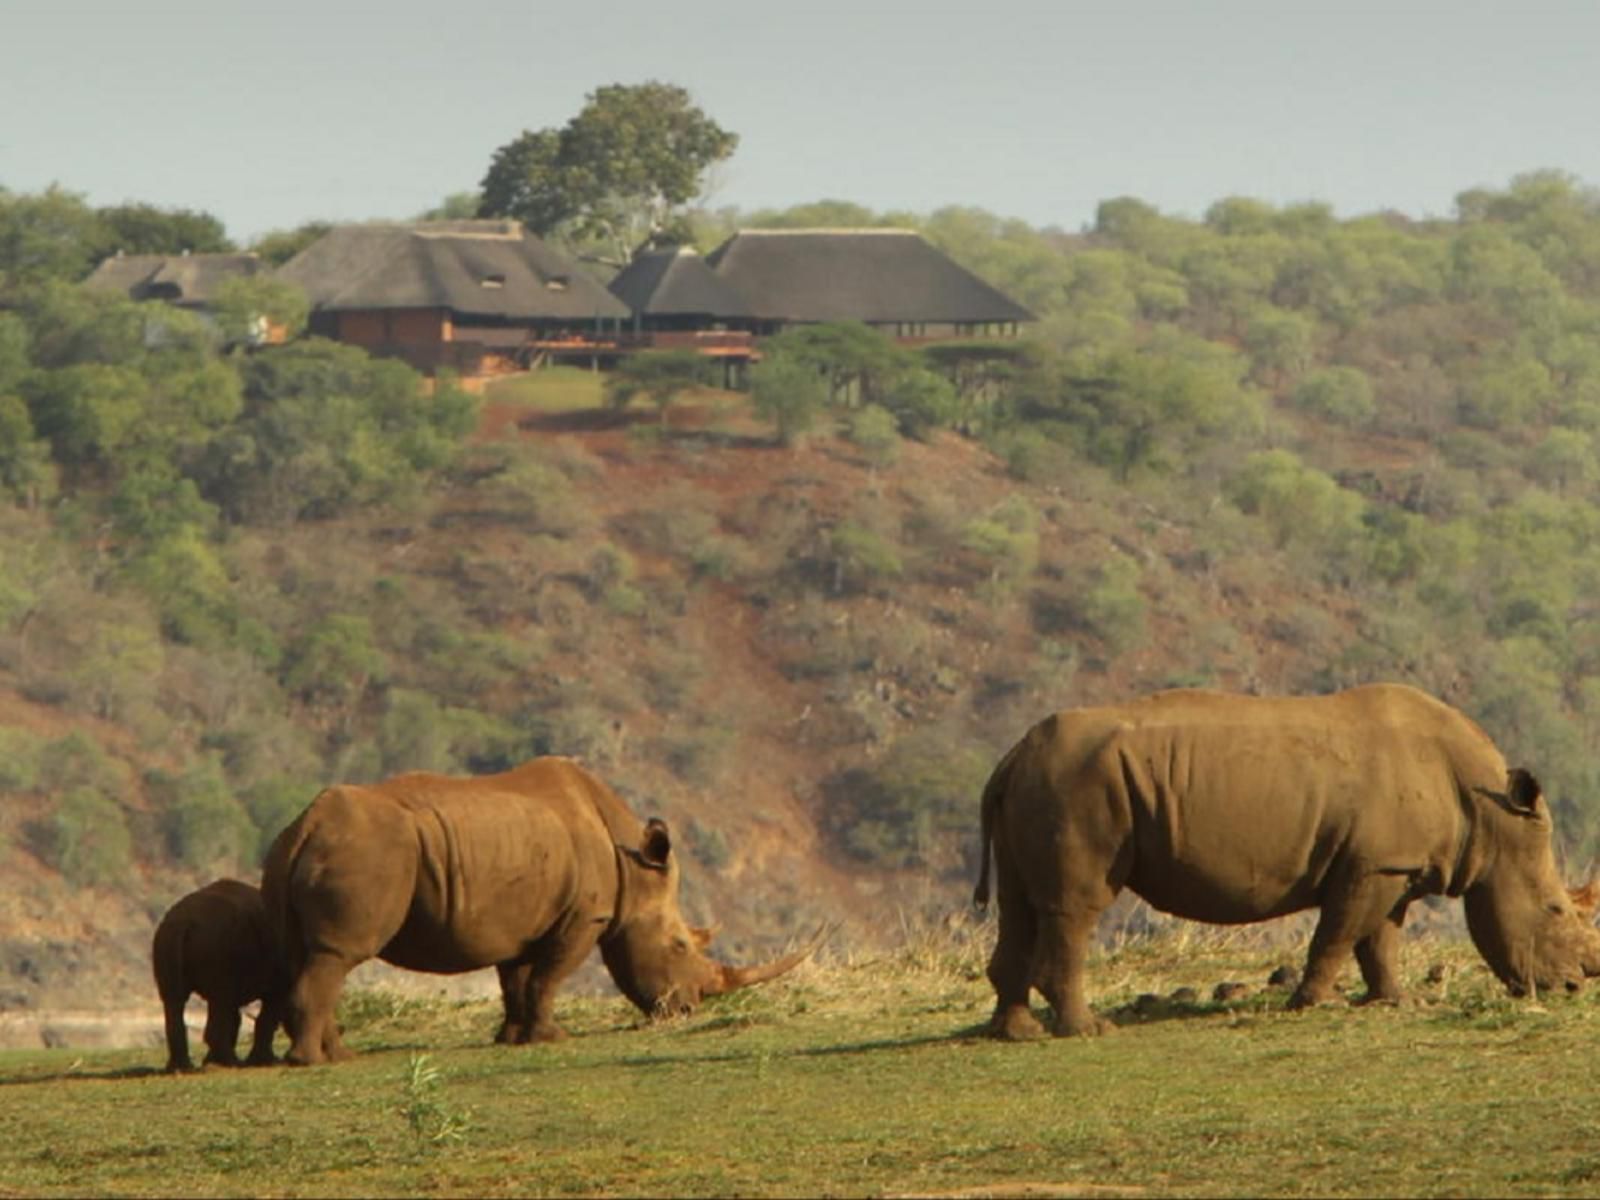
[21,753]
[205,825]
[87,839]
[860,556]
[698,756]
[1105,602]
[790,393]
[903,810]
[1006,539]
[1342,395]
[876,431]
[78,761]
[272,804]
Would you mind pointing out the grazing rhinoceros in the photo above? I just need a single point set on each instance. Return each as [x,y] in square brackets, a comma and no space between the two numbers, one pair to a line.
[218,942]
[526,871]
[1234,809]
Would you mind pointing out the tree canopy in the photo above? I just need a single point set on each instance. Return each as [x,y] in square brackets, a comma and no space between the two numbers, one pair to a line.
[616,176]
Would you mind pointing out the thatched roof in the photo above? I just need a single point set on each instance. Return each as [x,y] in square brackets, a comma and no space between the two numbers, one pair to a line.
[677,282]
[177,278]
[873,275]
[478,268]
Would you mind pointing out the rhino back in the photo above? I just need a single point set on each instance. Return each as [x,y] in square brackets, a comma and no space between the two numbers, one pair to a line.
[216,941]
[501,861]
[1237,808]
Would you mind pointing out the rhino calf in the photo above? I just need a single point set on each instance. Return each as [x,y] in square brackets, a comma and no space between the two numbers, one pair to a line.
[526,871]
[217,941]
[1233,809]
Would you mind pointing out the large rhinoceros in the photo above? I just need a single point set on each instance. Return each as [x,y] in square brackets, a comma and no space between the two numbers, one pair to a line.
[1233,809]
[218,942]
[526,871]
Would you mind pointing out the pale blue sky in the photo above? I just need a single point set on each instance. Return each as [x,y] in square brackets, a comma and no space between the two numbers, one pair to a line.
[275,112]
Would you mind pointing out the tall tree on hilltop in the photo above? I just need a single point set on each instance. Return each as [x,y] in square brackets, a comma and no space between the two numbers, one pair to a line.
[613,178]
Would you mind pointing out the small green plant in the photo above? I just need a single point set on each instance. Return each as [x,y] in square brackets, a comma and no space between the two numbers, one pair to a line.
[432,1122]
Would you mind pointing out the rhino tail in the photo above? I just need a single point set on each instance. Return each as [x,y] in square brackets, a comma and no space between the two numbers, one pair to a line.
[166,961]
[277,876]
[988,811]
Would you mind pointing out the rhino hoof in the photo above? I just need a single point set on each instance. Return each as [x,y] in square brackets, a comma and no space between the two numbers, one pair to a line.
[1093,1027]
[1016,1025]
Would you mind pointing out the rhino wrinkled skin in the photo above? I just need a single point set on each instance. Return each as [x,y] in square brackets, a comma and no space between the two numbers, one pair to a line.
[527,871]
[218,942]
[1233,809]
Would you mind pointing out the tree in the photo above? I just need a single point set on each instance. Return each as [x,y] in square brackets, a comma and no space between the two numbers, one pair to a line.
[789,393]
[922,401]
[53,235]
[855,357]
[614,177]
[279,246]
[254,309]
[146,229]
[1342,395]
[457,206]
[659,375]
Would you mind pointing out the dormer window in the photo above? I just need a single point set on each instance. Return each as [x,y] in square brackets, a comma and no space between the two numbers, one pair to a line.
[493,281]
[556,283]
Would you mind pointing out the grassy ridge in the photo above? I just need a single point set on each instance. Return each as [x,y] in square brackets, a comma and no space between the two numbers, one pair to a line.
[862,1078]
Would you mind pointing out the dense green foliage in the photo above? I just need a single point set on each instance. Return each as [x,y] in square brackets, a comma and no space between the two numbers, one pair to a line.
[1245,356]
[616,175]
[1268,448]
[139,448]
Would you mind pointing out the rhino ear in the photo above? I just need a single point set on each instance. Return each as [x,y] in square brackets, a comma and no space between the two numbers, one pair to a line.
[1523,790]
[657,844]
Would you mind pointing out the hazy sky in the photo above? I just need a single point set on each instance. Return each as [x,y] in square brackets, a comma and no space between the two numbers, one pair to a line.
[275,112]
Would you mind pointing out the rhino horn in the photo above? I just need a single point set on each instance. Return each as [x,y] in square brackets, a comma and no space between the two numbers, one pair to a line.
[733,978]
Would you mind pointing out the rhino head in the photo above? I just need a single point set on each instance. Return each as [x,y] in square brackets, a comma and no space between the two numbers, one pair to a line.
[656,958]
[1534,932]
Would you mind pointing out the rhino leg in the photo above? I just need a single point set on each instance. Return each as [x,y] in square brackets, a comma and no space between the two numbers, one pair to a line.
[556,956]
[267,1022]
[1011,964]
[177,1032]
[1353,914]
[513,996]
[1378,955]
[1063,950]
[311,1002]
[222,1032]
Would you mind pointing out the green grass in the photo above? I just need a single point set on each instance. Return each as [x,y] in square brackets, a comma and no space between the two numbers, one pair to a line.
[554,388]
[861,1077]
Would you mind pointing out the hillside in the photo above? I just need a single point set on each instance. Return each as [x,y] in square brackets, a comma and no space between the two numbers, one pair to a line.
[1269,450]
[727,669]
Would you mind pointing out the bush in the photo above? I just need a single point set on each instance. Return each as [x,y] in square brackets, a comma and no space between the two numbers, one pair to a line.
[789,393]
[876,431]
[87,839]
[907,809]
[1342,395]
[698,757]
[77,761]
[1006,539]
[21,753]
[272,804]
[860,556]
[1106,603]
[205,825]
